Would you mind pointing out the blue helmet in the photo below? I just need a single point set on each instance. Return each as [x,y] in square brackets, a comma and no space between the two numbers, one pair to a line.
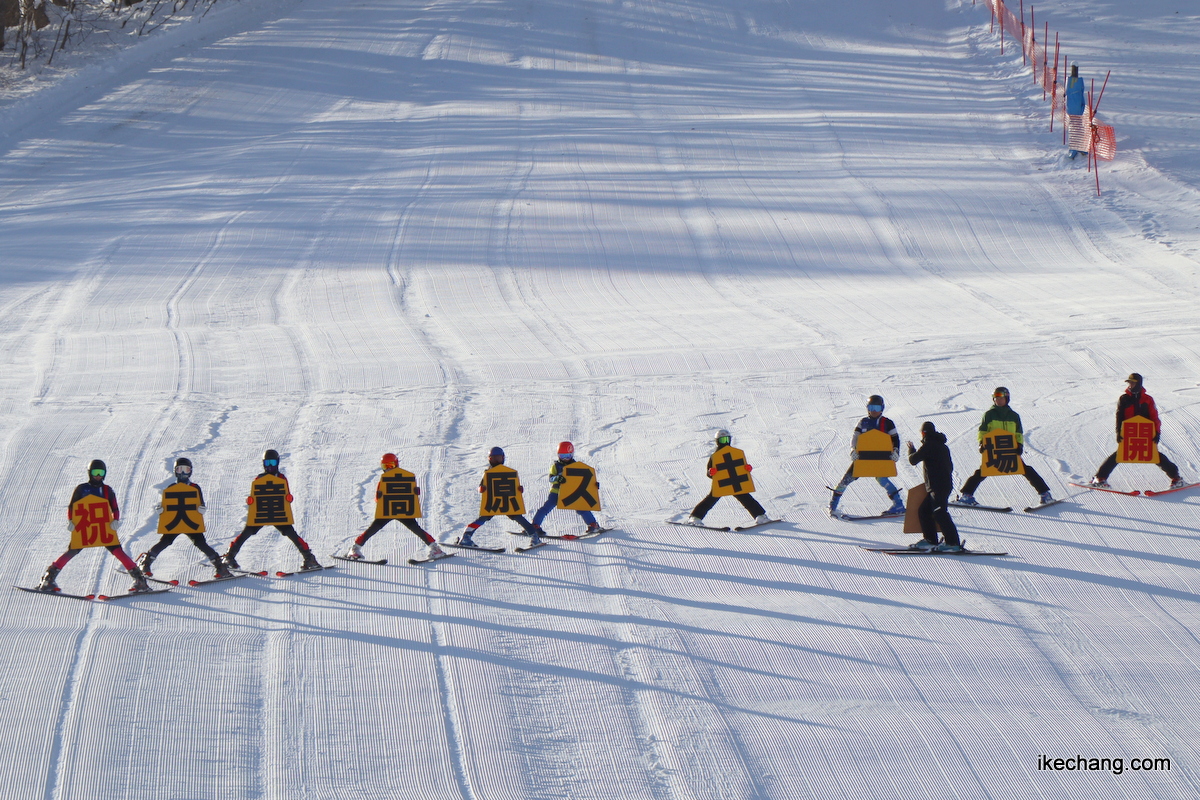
[496,456]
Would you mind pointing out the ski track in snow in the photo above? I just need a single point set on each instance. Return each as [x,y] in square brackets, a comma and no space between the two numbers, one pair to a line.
[434,227]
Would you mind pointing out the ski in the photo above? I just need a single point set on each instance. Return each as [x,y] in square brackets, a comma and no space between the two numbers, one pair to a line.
[475,547]
[704,527]
[1040,506]
[907,552]
[572,537]
[256,574]
[758,525]
[997,509]
[1134,493]
[216,580]
[318,568]
[57,594]
[1152,493]
[430,560]
[360,560]
[861,517]
[533,546]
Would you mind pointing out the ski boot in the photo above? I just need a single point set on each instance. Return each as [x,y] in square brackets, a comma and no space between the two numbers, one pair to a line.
[1177,483]
[593,528]
[139,581]
[144,561]
[354,551]
[1045,497]
[897,507]
[48,584]
[466,539]
[434,550]
[694,521]
[222,570]
[945,547]
[1100,483]
[923,545]
[762,519]
[967,500]
[230,561]
[310,561]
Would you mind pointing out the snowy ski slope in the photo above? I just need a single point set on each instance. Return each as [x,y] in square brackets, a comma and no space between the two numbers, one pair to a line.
[339,229]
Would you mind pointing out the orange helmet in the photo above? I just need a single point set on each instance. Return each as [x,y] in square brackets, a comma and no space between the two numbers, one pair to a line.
[389,461]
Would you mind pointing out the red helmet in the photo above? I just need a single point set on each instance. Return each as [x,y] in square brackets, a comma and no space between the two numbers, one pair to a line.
[566,449]
[389,461]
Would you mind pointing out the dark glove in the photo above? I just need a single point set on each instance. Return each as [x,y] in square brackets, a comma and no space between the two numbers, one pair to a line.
[1156,438]
[1020,449]
[983,448]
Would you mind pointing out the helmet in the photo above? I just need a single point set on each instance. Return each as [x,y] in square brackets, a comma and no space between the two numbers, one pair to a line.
[97,469]
[566,451]
[1135,378]
[1001,391]
[271,454]
[724,437]
[271,459]
[183,466]
[389,461]
[495,456]
[927,428]
[875,400]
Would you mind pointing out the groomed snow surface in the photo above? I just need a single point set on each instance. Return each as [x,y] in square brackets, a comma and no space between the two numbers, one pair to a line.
[434,227]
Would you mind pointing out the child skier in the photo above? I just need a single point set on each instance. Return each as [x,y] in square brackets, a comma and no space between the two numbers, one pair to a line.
[94,519]
[1136,403]
[182,513]
[730,477]
[397,497]
[1001,417]
[566,457]
[873,421]
[502,496]
[270,503]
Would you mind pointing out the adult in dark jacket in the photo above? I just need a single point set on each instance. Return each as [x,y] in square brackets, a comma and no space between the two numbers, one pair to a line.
[1136,403]
[939,483]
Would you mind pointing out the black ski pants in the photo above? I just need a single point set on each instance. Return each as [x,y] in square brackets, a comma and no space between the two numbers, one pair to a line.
[378,524]
[1031,475]
[747,500]
[197,539]
[934,512]
[1164,463]
[287,531]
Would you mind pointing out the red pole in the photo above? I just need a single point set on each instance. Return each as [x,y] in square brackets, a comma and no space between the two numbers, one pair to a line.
[1092,134]
[1101,97]
[1022,33]
[1054,84]
[1045,58]
[1033,43]
[1002,28]
[1067,73]
[992,7]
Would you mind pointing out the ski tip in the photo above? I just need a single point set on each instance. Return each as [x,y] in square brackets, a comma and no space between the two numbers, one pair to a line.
[96,597]
[193,582]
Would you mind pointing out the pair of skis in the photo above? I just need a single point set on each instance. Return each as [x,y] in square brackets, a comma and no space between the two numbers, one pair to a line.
[94,597]
[908,551]
[1136,492]
[414,560]
[1007,509]
[725,528]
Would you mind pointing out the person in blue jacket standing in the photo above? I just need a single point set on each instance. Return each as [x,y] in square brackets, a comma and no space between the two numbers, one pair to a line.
[1075,98]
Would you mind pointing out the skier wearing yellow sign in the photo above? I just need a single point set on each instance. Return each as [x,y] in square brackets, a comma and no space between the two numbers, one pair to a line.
[94,519]
[182,514]
[1002,443]
[1138,431]
[270,503]
[573,486]
[730,478]
[875,448]
[397,497]
[501,495]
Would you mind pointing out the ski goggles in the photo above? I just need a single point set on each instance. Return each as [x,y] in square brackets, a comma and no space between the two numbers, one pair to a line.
[270,462]
[97,473]
[566,456]
[183,469]
[875,407]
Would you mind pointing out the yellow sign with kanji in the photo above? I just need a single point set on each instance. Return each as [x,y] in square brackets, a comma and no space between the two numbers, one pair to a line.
[873,456]
[731,473]
[1000,454]
[501,492]
[181,510]
[270,501]
[579,491]
[1137,445]
[93,523]
[397,495]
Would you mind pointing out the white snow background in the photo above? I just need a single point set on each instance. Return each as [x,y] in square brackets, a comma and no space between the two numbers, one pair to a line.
[345,228]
